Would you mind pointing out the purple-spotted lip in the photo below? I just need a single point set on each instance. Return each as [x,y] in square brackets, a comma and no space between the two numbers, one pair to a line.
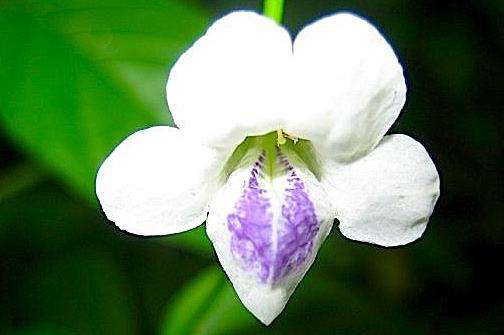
[272,245]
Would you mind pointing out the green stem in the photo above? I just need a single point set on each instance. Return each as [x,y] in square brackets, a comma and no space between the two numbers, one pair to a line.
[274,9]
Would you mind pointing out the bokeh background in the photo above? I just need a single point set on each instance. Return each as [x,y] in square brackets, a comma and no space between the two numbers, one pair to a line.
[77,76]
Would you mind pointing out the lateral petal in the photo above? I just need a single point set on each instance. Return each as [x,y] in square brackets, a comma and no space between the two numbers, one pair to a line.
[158,181]
[386,197]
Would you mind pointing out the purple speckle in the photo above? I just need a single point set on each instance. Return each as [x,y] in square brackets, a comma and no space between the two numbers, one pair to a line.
[272,244]
[251,226]
[297,227]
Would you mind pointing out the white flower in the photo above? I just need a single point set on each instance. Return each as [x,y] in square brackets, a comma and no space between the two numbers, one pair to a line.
[275,140]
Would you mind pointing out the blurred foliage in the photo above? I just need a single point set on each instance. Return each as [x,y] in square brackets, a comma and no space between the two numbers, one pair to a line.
[207,305]
[84,74]
[78,76]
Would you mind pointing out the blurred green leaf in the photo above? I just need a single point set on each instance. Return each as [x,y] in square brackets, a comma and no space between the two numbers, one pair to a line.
[195,240]
[18,178]
[207,305]
[81,291]
[42,330]
[78,76]
[45,219]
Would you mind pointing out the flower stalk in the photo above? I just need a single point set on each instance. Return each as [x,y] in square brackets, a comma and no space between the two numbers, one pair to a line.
[274,9]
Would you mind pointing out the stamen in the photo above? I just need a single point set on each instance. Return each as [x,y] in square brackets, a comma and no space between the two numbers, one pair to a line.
[292,138]
[281,137]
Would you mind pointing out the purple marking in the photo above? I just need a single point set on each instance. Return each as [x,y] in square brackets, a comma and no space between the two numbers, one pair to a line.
[298,225]
[252,226]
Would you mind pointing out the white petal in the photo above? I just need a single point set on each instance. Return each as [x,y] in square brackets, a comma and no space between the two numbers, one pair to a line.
[386,197]
[158,181]
[266,227]
[353,86]
[231,82]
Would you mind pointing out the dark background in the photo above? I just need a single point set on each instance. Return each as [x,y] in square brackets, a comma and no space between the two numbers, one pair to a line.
[78,76]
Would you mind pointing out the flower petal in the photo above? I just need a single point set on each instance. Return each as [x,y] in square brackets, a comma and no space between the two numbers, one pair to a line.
[353,86]
[158,181]
[267,224]
[386,197]
[231,82]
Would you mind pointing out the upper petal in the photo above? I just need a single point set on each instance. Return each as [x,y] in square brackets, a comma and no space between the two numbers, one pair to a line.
[386,197]
[158,181]
[231,82]
[352,86]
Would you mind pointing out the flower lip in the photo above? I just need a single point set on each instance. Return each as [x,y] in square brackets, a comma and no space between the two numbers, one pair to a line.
[267,223]
[273,250]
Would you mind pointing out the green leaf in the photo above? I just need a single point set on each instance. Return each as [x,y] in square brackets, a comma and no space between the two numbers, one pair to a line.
[41,330]
[207,305]
[46,219]
[274,9]
[18,178]
[82,291]
[78,76]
